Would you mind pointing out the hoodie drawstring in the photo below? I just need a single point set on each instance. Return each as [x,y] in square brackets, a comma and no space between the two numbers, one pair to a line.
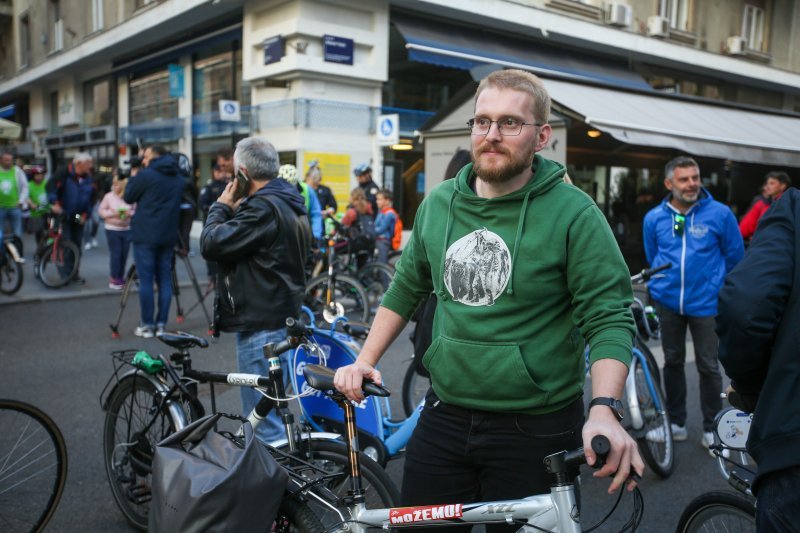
[442,291]
[517,239]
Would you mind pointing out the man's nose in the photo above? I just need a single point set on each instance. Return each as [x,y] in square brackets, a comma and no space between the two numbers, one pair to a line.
[494,132]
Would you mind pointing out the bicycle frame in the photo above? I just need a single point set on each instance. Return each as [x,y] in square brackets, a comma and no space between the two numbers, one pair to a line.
[634,410]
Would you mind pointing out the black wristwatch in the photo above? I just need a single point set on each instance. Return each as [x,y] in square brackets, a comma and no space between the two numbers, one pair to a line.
[613,403]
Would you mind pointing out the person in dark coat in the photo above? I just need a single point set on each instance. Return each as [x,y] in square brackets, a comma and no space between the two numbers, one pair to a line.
[157,191]
[759,315]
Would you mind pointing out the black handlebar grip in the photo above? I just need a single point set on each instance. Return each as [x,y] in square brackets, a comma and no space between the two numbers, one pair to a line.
[601,447]
[296,327]
[374,390]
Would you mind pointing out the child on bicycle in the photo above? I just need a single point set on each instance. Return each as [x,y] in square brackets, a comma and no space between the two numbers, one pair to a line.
[117,216]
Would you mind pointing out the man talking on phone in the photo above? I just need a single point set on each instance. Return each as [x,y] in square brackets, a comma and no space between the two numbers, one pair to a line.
[259,235]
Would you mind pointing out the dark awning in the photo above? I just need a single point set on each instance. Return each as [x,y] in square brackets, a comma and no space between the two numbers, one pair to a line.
[464,48]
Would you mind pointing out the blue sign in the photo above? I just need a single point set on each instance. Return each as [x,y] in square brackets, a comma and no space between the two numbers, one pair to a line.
[274,49]
[387,127]
[175,80]
[338,49]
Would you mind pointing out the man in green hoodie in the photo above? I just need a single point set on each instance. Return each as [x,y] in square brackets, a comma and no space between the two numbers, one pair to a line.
[525,270]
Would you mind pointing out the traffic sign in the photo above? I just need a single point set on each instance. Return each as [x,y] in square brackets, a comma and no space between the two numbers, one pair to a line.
[388,130]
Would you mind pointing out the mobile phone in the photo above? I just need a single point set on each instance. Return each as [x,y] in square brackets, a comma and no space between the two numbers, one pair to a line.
[242,182]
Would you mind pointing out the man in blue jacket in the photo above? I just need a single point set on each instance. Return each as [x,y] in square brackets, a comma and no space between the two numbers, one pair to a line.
[701,239]
[759,313]
[157,191]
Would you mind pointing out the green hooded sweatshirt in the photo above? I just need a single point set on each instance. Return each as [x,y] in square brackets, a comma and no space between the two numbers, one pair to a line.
[521,281]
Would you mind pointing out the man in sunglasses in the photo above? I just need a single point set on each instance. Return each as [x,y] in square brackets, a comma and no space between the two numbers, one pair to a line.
[524,268]
[700,238]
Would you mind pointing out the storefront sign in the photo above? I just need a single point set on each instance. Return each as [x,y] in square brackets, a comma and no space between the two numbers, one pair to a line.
[335,170]
[274,49]
[175,81]
[338,49]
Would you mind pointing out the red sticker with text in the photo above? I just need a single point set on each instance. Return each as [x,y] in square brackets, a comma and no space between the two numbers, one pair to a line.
[408,515]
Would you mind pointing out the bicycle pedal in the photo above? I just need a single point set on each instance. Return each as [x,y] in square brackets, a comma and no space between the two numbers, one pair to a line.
[139,494]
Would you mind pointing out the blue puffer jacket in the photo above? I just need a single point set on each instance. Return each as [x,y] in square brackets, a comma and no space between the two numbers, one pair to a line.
[157,191]
[701,257]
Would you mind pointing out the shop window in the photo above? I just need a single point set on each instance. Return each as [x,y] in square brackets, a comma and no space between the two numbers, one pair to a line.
[97,103]
[753,27]
[150,100]
[677,12]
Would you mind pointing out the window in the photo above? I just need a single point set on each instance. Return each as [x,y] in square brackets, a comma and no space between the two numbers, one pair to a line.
[97,15]
[56,25]
[150,99]
[677,12]
[24,41]
[753,27]
[54,111]
[217,75]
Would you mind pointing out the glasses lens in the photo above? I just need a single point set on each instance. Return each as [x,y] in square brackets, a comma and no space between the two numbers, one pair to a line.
[679,223]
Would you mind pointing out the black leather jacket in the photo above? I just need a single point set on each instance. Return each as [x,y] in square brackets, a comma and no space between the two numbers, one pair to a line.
[261,250]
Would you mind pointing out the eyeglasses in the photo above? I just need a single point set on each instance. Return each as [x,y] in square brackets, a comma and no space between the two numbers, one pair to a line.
[679,222]
[506,126]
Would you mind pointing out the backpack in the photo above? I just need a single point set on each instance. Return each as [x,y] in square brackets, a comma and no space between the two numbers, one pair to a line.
[397,236]
[365,227]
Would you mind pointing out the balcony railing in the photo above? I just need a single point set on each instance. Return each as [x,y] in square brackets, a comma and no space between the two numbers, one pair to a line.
[166,130]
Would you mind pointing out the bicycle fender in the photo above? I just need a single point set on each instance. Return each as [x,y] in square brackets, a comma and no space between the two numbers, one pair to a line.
[175,409]
[634,411]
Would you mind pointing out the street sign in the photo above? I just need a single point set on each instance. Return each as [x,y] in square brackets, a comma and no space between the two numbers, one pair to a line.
[338,49]
[229,111]
[388,130]
[274,49]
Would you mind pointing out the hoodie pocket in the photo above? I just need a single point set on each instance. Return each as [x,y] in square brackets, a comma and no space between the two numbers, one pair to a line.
[481,375]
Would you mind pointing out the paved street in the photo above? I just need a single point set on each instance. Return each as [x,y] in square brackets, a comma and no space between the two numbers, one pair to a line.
[55,353]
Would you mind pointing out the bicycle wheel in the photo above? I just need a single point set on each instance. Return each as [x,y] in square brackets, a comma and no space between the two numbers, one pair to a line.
[331,457]
[651,361]
[133,426]
[33,467]
[718,511]
[349,299]
[295,516]
[415,387]
[54,268]
[10,275]
[655,442]
[375,277]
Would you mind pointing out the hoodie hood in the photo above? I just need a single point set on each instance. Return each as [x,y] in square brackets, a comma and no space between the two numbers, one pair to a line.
[286,192]
[166,164]
[546,174]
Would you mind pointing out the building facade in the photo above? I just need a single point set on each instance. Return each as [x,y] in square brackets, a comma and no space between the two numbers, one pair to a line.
[634,82]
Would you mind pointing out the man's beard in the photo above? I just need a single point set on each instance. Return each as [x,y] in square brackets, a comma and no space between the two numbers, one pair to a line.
[502,173]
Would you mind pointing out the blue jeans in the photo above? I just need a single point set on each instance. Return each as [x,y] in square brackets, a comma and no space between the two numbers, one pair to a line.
[72,231]
[14,217]
[119,242]
[251,360]
[778,507]
[153,264]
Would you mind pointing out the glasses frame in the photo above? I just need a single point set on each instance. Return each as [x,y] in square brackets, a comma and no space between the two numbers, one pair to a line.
[471,126]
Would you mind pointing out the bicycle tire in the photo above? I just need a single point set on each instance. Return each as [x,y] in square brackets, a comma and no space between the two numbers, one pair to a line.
[11,275]
[127,452]
[415,387]
[295,516]
[349,296]
[718,511]
[331,456]
[51,272]
[29,439]
[376,278]
[658,453]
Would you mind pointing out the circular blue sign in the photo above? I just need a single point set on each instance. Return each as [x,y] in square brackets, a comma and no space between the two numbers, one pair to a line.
[229,108]
[387,127]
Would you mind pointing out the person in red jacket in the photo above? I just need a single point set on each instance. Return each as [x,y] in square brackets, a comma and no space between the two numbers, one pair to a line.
[774,185]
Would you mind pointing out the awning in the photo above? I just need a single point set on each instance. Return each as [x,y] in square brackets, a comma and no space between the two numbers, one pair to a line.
[695,128]
[464,48]
[8,111]
[9,130]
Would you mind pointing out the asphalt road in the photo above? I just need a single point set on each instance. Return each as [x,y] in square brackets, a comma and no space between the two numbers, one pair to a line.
[55,354]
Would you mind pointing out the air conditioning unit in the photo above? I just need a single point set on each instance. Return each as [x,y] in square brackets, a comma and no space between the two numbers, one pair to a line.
[657,26]
[736,46]
[58,35]
[618,14]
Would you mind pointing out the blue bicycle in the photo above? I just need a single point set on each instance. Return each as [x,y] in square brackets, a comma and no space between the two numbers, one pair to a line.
[381,436]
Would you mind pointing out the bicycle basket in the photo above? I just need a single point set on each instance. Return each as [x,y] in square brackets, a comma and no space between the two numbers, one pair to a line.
[206,480]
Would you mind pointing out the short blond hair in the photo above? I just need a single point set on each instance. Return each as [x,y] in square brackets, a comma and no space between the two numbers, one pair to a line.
[520,80]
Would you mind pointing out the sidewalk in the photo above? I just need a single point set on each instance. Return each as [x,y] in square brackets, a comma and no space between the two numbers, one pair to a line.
[94,268]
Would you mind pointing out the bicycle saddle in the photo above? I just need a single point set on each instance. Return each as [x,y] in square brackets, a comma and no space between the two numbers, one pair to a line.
[321,378]
[180,340]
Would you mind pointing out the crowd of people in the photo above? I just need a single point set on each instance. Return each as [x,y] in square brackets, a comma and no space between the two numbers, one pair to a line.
[514,305]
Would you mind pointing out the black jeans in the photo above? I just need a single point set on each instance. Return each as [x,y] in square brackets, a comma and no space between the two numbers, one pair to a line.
[706,348]
[461,455]
[778,507]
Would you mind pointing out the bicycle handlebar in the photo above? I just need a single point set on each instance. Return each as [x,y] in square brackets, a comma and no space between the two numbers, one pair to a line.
[648,273]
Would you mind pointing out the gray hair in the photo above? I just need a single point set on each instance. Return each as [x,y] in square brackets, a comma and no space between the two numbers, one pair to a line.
[80,157]
[258,156]
[682,161]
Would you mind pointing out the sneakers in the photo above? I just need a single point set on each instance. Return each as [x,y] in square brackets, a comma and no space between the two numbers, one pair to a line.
[145,332]
[708,440]
[94,243]
[657,434]
[116,284]
[160,329]
[87,246]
